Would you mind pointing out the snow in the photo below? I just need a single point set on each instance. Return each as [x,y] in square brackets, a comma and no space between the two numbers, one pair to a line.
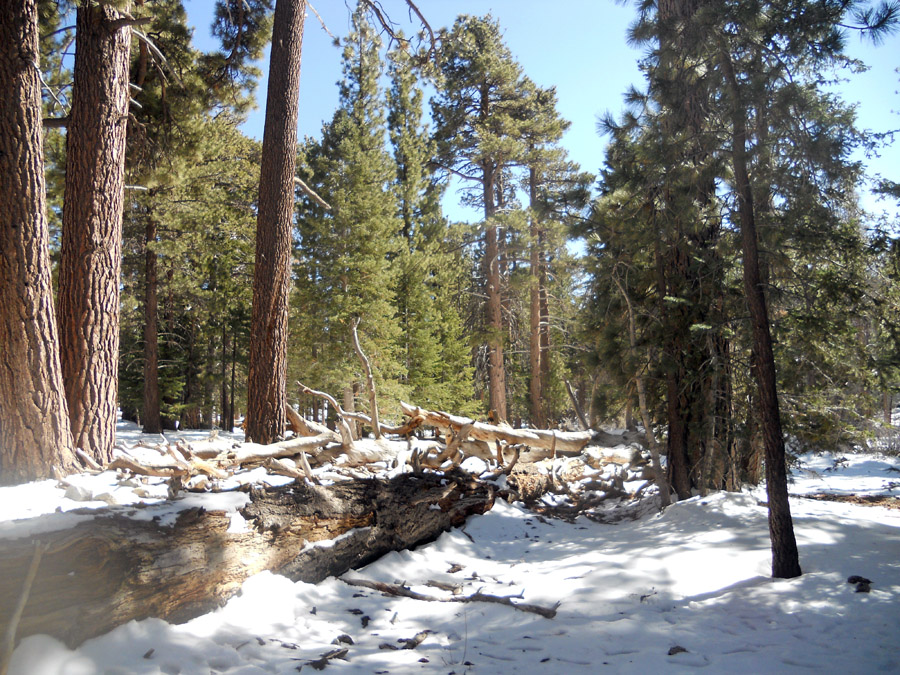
[676,591]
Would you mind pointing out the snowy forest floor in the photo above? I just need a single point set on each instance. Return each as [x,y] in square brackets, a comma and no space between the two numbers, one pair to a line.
[679,591]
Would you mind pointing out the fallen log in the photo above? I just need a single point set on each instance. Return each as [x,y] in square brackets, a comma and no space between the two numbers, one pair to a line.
[113,568]
[550,441]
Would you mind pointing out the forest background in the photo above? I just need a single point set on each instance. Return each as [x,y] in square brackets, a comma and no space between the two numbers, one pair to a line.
[494,315]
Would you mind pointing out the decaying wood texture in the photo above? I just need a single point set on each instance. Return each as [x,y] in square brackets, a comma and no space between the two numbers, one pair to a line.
[111,569]
[560,442]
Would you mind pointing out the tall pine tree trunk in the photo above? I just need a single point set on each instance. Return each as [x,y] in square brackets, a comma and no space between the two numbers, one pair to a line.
[785,557]
[35,437]
[151,415]
[534,343]
[544,332]
[494,304]
[271,277]
[676,442]
[91,252]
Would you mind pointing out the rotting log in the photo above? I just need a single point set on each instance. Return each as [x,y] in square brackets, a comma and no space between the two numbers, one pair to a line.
[113,568]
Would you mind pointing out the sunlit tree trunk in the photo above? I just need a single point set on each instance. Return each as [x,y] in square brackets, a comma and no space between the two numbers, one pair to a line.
[271,278]
[91,251]
[35,437]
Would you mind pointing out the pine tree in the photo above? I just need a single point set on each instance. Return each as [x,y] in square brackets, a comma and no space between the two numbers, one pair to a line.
[88,302]
[481,113]
[438,374]
[35,438]
[271,277]
[347,253]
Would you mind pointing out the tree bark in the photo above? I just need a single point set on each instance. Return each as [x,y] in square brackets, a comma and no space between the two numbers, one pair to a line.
[676,439]
[494,304]
[545,334]
[91,252]
[151,414]
[785,557]
[112,569]
[271,277]
[35,437]
[534,345]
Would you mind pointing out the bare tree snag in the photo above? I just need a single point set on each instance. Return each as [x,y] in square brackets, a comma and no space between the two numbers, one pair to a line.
[112,569]
[370,381]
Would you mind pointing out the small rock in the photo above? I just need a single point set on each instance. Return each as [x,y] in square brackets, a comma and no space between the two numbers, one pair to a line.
[342,639]
[79,493]
[677,649]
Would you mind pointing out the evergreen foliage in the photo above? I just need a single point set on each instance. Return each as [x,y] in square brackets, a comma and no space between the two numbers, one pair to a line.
[347,255]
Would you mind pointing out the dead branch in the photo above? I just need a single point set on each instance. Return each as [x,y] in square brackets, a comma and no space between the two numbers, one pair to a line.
[370,380]
[116,24]
[312,193]
[478,596]
[250,453]
[87,460]
[125,462]
[55,122]
[575,404]
[563,442]
[322,22]
[346,434]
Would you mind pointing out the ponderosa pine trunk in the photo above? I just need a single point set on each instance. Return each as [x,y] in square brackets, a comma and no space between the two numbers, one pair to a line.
[534,345]
[545,333]
[271,277]
[676,438]
[35,437]
[494,304]
[785,556]
[151,415]
[91,252]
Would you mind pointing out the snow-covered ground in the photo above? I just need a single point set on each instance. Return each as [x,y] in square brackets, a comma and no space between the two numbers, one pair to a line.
[678,591]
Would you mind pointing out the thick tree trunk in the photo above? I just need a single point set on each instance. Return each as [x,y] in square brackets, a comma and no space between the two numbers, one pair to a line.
[785,557]
[151,415]
[494,303]
[91,252]
[534,343]
[676,441]
[35,437]
[112,569]
[271,277]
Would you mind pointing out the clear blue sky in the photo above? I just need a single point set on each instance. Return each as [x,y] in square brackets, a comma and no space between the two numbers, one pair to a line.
[578,46]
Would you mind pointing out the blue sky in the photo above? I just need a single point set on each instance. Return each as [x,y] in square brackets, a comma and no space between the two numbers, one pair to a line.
[578,46]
